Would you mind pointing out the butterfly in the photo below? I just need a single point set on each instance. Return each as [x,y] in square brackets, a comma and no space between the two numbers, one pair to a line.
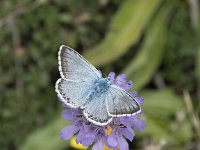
[82,86]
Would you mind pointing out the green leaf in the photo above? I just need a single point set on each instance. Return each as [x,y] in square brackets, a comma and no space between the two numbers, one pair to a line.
[142,68]
[124,31]
[165,100]
[160,113]
[47,138]
[198,64]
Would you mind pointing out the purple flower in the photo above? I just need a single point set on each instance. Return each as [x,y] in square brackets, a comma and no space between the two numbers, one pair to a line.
[113,135]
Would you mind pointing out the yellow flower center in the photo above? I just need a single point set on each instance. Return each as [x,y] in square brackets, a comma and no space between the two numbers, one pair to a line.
[107,148]
[81,147]
[75,145]
[109,130]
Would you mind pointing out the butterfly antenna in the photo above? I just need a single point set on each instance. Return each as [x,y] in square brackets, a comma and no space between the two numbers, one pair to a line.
[104,74]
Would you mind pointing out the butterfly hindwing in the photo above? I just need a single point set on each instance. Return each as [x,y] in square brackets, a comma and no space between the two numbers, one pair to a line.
[73,93]
[96,111]
[121,103]
[73,66]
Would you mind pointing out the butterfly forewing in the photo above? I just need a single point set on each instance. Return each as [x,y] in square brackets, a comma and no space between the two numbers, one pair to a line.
[73,66]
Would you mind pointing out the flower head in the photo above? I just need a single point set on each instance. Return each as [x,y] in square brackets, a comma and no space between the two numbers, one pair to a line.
[113,135]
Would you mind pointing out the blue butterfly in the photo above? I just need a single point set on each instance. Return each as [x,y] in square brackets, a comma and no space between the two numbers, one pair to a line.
[82,86]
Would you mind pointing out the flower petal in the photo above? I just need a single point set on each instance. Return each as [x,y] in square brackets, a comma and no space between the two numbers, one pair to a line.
[126,120]
[69,131]
[69,114]
[133,94]
[86,135]
[111,75]
[98,145]
[80,136]
[128,86]
[138,124]
[128,133]
[121,77]
[112,140]
[121,81]
[140,100]
[123,144]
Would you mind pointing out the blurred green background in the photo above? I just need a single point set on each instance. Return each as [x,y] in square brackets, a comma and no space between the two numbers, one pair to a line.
[155,42]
